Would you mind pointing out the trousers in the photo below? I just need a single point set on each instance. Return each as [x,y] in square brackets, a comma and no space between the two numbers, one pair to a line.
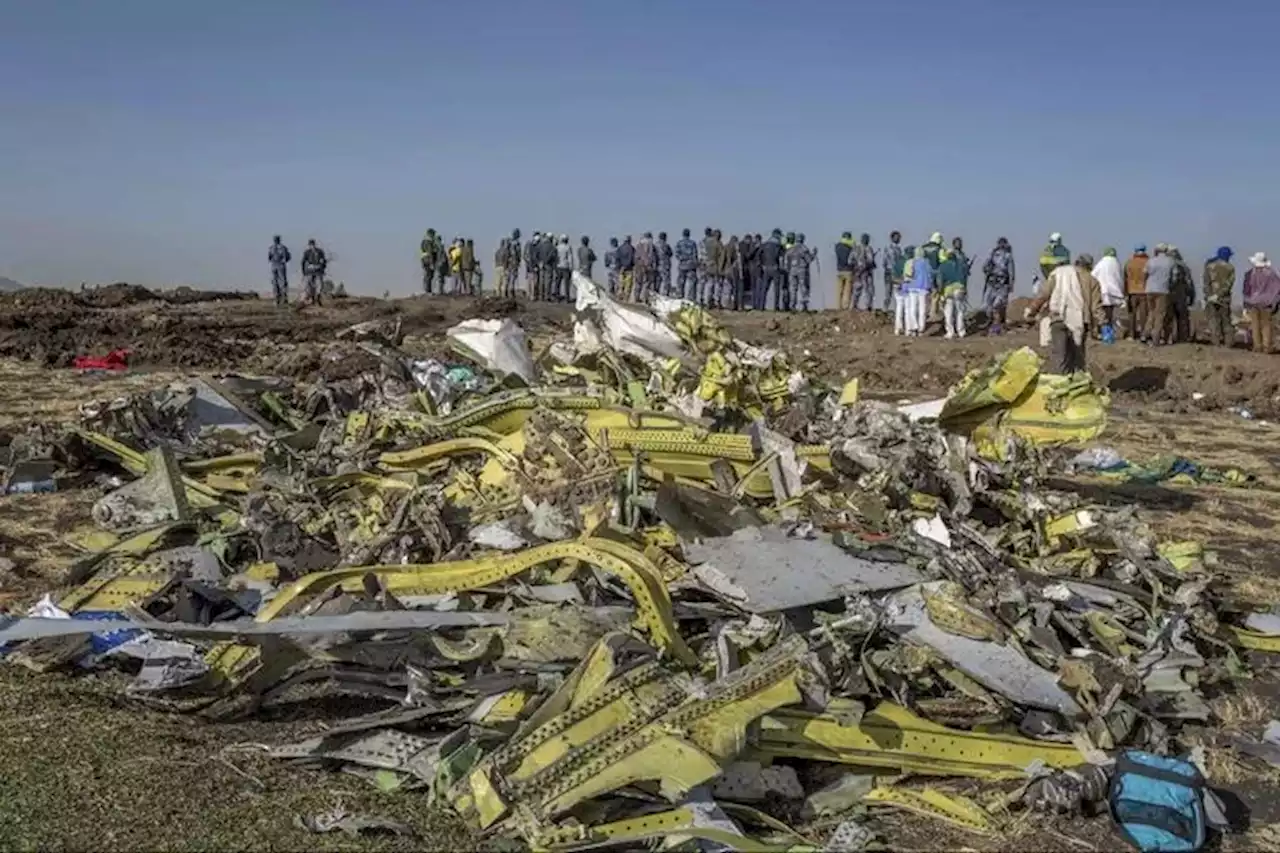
[1136,305]
[864,282]
[916,302]
[312,284]
[953,311]
[428,276]
[280,284]
[844,290]
[798,296]
[1157,317]
[1066,354]
[1218,316]
[891,285]
[1260,320]
[626,284]
[687,285]
[564,277]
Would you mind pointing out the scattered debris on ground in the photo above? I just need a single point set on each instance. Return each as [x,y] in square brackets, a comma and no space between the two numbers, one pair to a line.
[649,581]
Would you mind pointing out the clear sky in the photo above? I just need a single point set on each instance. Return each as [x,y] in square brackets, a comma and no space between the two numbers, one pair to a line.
[165,141]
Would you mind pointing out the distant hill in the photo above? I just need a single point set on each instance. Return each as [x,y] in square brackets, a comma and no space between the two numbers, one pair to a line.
[8,285]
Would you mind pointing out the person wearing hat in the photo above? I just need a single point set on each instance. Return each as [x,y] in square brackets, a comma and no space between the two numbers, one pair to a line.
[1219,283]
[1135,292]
[844,272]
[1073,298]
[1261,299]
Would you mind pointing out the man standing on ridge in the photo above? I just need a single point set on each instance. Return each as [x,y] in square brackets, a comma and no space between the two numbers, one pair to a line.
[1135,292]
[1159,278]
[313,266]
[564,269]
[512,266]
[894,260]
[429,257]
[864,273]
[625,257]
[686,253]
[1182,295]
[664,263]
[797,275]
[646,267]
[278,256]
[772,275]
[844,272]
[999,274]
[611,265]
[546,264]
[531,265]
[1219,285]
[586,258]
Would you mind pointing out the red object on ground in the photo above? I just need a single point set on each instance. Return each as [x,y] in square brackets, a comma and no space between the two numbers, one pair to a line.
[117,359]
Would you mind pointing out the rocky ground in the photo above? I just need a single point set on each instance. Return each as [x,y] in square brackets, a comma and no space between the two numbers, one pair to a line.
[80,769]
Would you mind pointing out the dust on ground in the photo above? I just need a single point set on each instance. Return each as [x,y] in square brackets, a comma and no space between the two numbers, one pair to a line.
[81,768]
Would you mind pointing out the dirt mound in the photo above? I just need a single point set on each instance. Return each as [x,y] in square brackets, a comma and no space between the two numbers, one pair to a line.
[117,295]
[189,295]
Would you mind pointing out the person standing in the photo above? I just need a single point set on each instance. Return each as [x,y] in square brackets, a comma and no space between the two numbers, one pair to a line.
[1135,292]
[1074,300]
[512,266]
[531,265]
[428,257]
[611,265]
[1053,255]
[686,253]
[999,274]
[313,267]
[917,282]
[626,259]
[733,273]
[278,257]
[797,275]
[470,268]
[1159,277]
[894,260]
[547,264]
[586,258]
[1111,280]
[664,263]
[864,273]
[564,269]
[844,272]
[772,259]
[1182,295]
[1219,283]
[500,265]
[1261,299]
[646,267]
[951,279]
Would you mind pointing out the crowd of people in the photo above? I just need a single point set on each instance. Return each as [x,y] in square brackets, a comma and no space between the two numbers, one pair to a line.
[925,282]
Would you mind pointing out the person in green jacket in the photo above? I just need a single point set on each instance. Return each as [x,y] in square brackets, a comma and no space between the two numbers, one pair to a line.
[1053,255]
[953,275]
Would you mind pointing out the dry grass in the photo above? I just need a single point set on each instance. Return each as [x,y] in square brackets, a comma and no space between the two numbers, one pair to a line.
[34,394]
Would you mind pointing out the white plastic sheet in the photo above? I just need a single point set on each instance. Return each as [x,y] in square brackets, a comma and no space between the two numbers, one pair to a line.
[499,345]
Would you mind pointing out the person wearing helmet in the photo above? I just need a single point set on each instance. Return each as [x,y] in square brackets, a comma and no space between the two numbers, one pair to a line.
[1053,254]
[686,253]
[278,257]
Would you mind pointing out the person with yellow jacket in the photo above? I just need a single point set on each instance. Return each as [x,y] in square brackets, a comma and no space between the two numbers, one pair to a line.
[1053,255]
[455,263]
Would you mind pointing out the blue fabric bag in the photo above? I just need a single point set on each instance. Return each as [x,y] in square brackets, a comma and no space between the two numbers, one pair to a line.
[1158,803]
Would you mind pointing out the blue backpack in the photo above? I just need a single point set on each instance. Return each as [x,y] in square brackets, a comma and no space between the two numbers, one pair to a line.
[1158,803]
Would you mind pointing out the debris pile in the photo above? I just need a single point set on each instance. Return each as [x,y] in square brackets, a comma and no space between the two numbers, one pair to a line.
[648,582]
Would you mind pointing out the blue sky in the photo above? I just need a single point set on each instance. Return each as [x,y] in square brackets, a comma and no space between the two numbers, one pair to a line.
[165,141]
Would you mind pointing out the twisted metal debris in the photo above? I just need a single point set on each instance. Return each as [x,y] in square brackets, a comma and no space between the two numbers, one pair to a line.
[621,589]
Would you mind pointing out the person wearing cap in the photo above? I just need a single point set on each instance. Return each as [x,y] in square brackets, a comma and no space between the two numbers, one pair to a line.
[933,251]
[1111,279]
[1159,275]
[1182,295]
[1219,282]
[1135,292]
[1261,299]
[844,272]
[1053,255]
[1073,298]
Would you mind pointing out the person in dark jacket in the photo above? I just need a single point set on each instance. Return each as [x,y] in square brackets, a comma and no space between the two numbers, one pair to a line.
[844,271]
[511,269]
[546,264]
[470,269]
[746,260]
[626,260]
[611,265]
[586,258]
[686,253]
[429,257]
[531,264]
[646,267]
[278,256]
[665,254]
[313,266]
[771,277]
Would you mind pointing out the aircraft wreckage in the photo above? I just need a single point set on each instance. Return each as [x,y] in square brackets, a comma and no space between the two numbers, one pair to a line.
[626,588]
